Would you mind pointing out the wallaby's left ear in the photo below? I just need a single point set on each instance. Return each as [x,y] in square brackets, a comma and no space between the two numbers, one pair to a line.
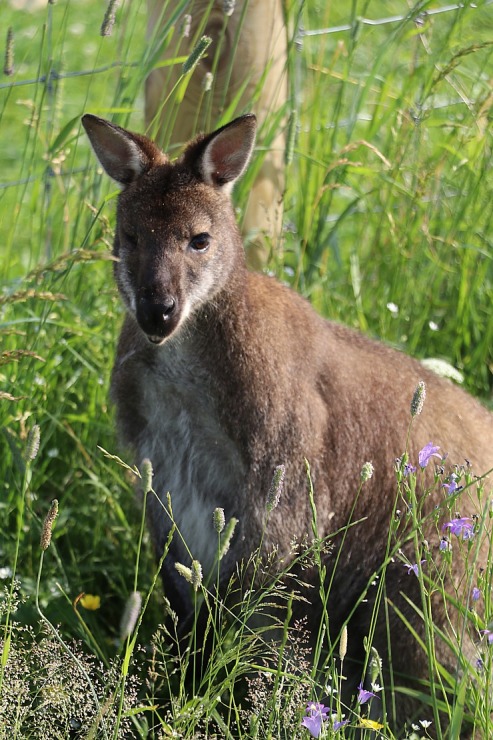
[222,157]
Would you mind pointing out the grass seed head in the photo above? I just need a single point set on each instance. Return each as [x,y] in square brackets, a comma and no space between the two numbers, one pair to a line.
[48,525]
[185,572]
[130,615]
[418,399]
[207,82]
[32,444]
[8,67]
[196,54]
[186,26]
[276,487]
[218,520]
[367,472]
[196,575]
[146,474]
[227,537]
[343,644]
[109,18]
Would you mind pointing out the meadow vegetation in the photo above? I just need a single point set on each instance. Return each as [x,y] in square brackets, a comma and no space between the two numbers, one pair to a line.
[388,227]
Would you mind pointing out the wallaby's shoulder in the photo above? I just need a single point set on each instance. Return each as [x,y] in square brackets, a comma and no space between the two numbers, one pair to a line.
[291,319]
[282,311]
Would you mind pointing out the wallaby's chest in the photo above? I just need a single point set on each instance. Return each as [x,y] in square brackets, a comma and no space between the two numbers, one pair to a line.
[193,457]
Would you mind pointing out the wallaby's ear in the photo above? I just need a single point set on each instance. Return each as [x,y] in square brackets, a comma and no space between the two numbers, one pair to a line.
[124,155]
[223,156]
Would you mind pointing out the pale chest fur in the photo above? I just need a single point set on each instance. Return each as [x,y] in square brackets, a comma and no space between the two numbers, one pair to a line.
[193,457]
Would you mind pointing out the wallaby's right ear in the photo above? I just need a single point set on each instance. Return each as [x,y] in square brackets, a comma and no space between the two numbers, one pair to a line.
[124,155]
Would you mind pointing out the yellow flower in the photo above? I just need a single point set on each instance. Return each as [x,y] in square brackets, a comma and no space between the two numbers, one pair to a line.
[370,724]
[90,602]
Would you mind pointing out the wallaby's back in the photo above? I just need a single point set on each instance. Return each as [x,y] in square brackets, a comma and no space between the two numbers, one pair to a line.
[222,374]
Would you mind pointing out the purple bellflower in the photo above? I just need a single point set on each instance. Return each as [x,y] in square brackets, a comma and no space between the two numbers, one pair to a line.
[462,527]
[315,715]
[425,455]
[413,568]
[364,695]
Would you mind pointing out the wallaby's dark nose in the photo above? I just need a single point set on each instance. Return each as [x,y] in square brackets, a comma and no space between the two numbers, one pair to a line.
[156,314]
[167,307]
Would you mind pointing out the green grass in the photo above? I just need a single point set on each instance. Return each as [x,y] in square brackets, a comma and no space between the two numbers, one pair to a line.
[391,138]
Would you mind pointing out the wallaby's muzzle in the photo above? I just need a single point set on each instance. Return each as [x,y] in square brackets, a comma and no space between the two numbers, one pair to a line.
[157,315]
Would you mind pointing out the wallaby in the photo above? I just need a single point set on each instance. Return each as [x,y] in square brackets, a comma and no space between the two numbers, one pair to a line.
[222,374]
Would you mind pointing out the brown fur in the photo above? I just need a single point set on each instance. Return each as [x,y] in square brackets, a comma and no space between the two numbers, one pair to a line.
[253,378]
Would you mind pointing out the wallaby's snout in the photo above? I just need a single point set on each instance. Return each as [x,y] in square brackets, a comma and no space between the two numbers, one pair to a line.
[151,277]
[157,314]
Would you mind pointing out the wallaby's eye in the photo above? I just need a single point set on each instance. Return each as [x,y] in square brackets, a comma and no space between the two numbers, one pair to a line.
[200,242]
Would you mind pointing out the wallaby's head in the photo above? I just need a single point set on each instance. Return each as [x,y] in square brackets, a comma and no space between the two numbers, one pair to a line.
[176,239]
